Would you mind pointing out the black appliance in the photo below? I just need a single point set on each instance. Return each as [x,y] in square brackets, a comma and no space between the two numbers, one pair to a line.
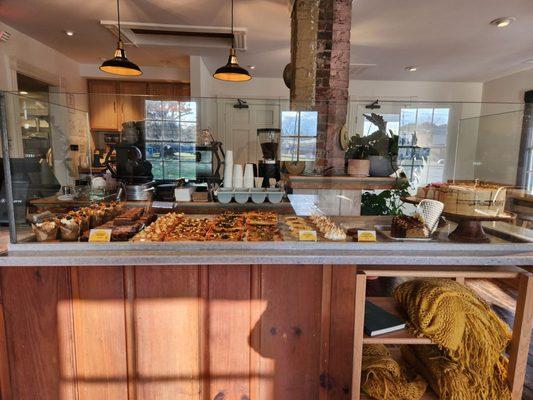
[208,162]
[269,166]
[32,178]
[129,164]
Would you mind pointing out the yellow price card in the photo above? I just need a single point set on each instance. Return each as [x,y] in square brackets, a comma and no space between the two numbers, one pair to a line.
[100,235]
[366,236]
[307,236]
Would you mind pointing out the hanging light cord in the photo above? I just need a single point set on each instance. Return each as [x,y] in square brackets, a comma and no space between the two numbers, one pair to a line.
[232,34]
[118,16]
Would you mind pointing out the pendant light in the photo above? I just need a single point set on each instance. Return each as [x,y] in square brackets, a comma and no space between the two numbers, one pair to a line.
[119,64]
[232,72]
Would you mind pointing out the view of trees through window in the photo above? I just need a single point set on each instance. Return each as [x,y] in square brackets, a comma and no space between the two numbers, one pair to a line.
[171,138]
[298,135]
[422,145]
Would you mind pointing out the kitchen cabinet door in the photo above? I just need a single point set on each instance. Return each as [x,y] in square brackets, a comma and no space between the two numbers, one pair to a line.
[162,90]
[103,107]
[132,100]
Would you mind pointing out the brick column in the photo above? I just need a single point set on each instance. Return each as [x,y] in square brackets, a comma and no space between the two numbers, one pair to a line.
[330,50]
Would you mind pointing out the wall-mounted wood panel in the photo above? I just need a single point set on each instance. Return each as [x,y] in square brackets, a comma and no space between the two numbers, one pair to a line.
[173,332]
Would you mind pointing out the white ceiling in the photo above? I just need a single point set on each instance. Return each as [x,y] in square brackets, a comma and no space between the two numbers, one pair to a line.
[449,40]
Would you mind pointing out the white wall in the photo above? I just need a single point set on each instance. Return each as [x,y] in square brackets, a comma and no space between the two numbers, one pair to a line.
[508,88]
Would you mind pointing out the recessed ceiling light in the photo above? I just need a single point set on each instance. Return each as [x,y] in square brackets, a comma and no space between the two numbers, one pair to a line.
[251,66]
[411,68]
[530,61]
[503,22]
[23,92]
[69,33]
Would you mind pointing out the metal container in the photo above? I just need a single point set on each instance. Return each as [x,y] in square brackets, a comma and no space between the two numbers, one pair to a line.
[140,192]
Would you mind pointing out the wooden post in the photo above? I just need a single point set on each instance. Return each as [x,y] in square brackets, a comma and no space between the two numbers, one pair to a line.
[359,320]
[521,336]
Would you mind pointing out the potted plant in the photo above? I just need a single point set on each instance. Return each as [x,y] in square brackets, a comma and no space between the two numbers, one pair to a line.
[356,157]
[383,152]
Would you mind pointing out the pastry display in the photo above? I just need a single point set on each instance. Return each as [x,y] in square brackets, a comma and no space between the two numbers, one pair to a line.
[467,198]
[69,228]
[263,233]
[261,218]
[45,231]
[297,224]
[404,226]
[328,228]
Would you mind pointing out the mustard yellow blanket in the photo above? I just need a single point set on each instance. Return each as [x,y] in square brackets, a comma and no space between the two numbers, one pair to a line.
[471,338]
[384,379]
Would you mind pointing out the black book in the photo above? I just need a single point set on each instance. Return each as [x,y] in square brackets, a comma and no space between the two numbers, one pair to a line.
[378,321]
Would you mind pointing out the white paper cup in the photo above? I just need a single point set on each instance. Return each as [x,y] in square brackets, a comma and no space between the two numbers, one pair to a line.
[248,176]
[228,169]
[259,182]
[238,180]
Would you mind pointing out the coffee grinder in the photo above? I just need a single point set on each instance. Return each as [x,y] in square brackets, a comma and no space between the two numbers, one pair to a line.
[269,166]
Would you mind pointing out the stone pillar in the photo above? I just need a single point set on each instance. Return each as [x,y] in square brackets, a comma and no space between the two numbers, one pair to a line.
[330,51]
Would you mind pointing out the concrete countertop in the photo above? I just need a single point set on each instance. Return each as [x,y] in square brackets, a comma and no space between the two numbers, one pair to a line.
[274,253]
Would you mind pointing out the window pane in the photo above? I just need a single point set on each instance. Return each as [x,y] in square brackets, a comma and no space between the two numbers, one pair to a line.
[154,130]
[172,169]
[171,130]
[408,120]
[171,151]
[157,169]
[308,123]
[188,170]
[188,111]
[188,152]
[289,123]
[188,132]
[307,149]
[154,109]
[289,148]
[171,110]
[153,151]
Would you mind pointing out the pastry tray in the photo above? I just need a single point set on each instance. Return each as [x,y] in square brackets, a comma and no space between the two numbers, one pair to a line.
[385,230]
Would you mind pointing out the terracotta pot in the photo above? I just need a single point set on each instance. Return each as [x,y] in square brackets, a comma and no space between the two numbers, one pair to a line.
[358,168]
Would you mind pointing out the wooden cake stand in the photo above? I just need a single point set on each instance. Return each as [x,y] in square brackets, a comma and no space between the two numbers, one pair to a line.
[469,228]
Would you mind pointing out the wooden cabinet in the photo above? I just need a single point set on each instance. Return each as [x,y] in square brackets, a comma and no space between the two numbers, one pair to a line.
[113,102]
[132,100]
[103,107]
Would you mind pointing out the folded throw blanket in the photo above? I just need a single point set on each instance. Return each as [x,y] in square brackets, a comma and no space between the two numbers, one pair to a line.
[384,379]
[471,338]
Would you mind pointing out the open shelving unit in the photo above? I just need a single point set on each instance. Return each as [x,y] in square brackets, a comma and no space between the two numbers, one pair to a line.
[521,332]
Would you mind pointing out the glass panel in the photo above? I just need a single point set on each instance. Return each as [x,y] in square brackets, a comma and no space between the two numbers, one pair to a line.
[153,151]
[188,170]
[289,148]
[188,152]
[307,149]
[172,169]
[171,130]
[289,123]
[171,151]
[154,130]
[157,169]
[171,110]
[154,109]
[188,111]
[308,123]
[188,132]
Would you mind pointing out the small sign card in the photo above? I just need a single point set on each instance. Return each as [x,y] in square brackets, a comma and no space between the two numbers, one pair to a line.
[307,236]
[366,236]
[100,235]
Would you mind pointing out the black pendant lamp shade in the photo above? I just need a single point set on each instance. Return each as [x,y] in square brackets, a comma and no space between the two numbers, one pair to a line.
[232,71]
[119,64]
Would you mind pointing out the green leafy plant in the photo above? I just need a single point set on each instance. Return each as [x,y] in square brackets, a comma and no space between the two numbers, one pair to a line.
[386,202]
[358,148]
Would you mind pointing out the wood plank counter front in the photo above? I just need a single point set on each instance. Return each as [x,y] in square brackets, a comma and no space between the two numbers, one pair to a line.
[256,331]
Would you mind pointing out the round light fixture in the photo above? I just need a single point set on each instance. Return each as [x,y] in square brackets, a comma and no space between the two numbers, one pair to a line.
[70,33]
[23,92]
[252,67]
[503,22]
[119,64]
[232,71]
[411,68]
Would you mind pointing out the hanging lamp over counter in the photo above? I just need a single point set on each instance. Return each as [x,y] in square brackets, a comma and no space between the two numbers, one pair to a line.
[119,64]
[232,71]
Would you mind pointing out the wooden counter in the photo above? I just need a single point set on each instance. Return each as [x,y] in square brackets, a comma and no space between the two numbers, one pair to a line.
[343,182]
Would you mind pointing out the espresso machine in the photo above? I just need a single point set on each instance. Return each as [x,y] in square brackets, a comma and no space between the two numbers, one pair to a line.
[269,166]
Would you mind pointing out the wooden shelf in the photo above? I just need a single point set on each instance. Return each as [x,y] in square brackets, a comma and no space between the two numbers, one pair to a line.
[398,337]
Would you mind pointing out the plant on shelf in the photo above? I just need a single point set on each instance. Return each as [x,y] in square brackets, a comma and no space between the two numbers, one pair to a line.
[386,202]
[383,152]
[356,156]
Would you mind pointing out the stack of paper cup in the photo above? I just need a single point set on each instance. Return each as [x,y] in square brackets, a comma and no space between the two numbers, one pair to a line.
[237,176]
[228,169]
[249,176]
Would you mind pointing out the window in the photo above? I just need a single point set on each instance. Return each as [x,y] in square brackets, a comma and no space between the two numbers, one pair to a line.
[298,135]
[422,145]
[171,138]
